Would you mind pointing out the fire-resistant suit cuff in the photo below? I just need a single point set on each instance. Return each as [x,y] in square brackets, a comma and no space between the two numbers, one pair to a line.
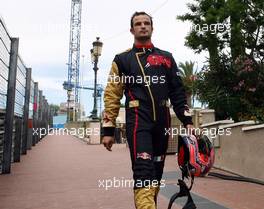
[108,131]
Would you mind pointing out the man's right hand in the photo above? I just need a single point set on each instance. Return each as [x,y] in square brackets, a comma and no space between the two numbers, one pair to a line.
[108,142]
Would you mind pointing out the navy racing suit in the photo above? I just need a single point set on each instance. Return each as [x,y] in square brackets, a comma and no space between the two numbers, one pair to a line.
[150,80]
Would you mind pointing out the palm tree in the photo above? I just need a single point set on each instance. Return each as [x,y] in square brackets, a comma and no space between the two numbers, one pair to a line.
[188,77]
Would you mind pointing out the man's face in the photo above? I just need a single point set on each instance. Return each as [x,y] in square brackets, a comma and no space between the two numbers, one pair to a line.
[142,29]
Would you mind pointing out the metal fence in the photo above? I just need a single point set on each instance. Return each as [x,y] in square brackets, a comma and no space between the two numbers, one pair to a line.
[20,87]
[23,108]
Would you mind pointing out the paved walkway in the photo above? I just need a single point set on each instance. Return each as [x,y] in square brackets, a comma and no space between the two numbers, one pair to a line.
[66,173]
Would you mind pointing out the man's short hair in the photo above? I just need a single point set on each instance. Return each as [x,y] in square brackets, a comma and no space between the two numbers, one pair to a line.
[137,14]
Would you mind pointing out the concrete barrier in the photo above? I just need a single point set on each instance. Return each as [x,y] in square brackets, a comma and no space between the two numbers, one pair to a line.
[241,152]
[214,126]
[88,131]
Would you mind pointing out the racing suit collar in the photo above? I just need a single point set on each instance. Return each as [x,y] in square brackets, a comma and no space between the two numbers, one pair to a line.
[139,47]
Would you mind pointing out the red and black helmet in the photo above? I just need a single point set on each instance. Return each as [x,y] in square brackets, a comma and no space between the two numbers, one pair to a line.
[195,158]
[195,155]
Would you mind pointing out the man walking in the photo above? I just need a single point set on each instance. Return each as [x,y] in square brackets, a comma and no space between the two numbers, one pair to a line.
[149,78]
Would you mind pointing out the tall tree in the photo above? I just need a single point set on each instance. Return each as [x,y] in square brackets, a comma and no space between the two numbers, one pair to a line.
[232,32]
[188,75]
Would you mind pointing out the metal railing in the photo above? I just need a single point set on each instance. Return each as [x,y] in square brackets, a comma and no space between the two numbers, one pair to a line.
[23,108]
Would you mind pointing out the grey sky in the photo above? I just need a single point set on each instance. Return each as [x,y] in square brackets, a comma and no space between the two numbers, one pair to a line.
[43,29]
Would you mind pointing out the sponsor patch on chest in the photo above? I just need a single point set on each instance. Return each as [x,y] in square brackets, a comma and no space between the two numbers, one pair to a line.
[158,60]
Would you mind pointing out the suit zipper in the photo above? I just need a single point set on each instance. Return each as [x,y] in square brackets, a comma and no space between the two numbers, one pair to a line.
[148,86]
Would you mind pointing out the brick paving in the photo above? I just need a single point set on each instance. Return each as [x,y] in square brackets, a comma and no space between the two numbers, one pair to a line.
[63,172]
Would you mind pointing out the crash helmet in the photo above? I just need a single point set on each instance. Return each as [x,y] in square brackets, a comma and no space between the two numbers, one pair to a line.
[195,155]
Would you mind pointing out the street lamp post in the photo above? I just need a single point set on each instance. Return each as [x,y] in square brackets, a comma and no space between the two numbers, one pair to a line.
[95,53]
